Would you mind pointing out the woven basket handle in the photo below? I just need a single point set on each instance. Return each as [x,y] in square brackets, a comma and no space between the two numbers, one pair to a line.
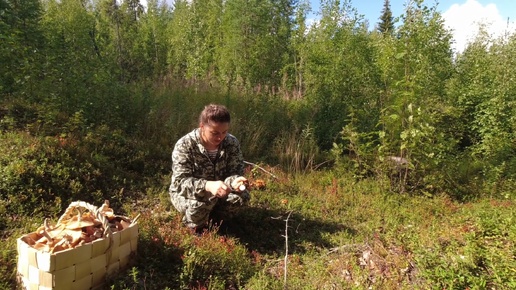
[69,213]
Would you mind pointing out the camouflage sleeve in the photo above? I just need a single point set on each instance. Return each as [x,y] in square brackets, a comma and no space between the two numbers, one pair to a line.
[183,180]
[235,160]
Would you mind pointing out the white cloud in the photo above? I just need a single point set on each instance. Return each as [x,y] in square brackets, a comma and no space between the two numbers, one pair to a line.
[464,19]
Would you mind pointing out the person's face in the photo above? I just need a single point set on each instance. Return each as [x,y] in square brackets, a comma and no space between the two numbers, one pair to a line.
[213,133]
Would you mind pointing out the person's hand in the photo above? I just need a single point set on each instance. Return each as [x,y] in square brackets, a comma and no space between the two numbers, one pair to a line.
[217,188]
[240,184]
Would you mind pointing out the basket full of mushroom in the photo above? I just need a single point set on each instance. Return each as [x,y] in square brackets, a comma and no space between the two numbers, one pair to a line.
[85,246]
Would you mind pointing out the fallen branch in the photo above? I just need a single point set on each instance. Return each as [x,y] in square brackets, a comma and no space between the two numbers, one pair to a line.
[346,248]
[285,260]
[286,251]
[261,168]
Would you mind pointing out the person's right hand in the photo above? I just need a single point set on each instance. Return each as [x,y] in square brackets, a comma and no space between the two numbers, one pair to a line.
[240,184]
[217,188]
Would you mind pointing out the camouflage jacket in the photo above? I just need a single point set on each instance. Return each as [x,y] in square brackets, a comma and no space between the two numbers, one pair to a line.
[191,166]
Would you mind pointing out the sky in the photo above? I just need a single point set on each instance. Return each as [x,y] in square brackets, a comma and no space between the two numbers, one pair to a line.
[462,16]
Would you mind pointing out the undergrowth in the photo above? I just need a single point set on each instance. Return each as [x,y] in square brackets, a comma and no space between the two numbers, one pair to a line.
[343,232]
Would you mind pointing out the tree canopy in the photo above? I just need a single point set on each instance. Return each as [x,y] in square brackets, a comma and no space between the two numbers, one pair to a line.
[394,91]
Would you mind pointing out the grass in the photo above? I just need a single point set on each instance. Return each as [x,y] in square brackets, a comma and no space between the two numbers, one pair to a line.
[343,233]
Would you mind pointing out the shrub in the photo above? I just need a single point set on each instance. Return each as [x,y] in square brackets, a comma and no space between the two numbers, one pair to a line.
[217,262]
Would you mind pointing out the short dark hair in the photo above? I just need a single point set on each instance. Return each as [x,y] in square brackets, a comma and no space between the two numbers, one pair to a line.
[215,113]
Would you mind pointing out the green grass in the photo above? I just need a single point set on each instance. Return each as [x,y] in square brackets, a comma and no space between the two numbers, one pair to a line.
[342,234]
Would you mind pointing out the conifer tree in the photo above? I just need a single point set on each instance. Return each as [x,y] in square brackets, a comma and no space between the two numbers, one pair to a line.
[386,24]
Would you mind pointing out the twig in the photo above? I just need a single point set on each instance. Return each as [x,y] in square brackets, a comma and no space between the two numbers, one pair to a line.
[321,164]
[285,286]
[261,168]
[353,247]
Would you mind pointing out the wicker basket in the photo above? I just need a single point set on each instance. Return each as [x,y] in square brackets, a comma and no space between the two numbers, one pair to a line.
[84,267]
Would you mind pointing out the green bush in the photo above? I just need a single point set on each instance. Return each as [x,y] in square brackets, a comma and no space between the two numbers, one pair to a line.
[37,174]
[217,262]
[42,175]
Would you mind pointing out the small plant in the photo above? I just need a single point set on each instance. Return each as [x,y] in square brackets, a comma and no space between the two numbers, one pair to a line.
[217,262]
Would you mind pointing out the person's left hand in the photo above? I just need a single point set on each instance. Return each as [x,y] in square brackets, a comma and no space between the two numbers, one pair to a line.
[217,188]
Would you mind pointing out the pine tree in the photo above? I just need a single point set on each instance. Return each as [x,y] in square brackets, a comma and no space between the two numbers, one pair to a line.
[386,24]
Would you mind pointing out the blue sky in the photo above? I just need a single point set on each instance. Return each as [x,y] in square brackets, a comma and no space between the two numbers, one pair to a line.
[461,16]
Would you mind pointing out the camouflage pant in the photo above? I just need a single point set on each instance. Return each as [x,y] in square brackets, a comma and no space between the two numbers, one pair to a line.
[196,212]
